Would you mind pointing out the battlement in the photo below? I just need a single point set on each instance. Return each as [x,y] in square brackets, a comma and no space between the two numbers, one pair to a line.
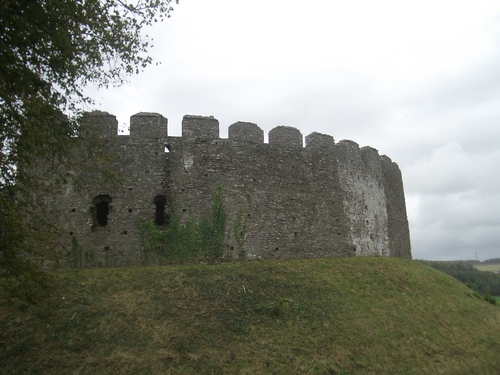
[101,123]
[246,132]
[148,125]
[320,141]
[200,127]
[285,136]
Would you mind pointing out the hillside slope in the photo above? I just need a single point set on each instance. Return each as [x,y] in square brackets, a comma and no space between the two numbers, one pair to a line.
[325,316]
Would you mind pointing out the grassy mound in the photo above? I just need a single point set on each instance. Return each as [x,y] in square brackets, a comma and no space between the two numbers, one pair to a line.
[326,316]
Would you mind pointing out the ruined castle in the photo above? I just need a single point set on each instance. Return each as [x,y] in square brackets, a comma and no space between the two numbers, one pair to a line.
[324,199]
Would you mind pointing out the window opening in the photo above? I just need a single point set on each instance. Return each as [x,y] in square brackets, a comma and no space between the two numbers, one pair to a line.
[159,202]
[102,211]
[101,203]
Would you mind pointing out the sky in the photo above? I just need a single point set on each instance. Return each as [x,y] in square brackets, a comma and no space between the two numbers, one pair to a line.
[417,80]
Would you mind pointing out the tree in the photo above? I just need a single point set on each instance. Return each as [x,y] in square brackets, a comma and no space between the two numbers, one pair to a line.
[50,50]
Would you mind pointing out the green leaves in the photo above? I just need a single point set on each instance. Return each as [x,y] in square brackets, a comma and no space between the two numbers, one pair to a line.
[50,50]
[187,242]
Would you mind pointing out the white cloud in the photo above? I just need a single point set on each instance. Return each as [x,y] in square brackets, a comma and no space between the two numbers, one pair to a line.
[447,170]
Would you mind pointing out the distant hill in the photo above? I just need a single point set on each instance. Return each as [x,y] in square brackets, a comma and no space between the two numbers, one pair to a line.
[360,315]
[472,274]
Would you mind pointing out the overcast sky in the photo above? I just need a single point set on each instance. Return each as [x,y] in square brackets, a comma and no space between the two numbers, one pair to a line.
[417,80]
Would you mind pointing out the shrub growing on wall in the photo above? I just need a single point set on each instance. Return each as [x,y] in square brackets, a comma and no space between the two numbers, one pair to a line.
[189,241]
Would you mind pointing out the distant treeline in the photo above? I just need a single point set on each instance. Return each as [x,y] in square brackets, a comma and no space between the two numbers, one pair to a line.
[492,261]
[486,283]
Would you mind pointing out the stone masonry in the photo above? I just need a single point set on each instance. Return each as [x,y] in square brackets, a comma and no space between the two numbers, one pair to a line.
[326,199]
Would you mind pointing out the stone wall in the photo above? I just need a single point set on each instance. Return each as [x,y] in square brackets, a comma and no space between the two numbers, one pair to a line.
[321,200]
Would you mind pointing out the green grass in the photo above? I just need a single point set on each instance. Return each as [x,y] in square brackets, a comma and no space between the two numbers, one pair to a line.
[326,316]
[488,267]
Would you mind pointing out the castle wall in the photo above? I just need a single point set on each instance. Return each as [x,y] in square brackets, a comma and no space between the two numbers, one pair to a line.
[360,174]
[398,228]
[138,160]
[321,200]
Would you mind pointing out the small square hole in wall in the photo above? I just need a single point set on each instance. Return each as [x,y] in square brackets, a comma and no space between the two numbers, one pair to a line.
[70,233]
[130,210]
[125,232]
[106,248]
[73,210]
[183,210]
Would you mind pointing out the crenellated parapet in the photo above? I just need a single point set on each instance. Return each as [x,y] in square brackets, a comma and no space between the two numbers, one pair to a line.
[285,136]
[318,141]
[246,132]
[102,123]
[148,125]
[200,127]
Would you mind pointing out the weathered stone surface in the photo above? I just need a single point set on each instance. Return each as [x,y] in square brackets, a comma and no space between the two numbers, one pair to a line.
[322,200]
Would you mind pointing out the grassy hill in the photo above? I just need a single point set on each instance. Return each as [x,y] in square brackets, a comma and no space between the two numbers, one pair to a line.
[325,316]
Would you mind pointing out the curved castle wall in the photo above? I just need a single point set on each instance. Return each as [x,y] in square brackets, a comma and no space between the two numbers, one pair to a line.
[321,200]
